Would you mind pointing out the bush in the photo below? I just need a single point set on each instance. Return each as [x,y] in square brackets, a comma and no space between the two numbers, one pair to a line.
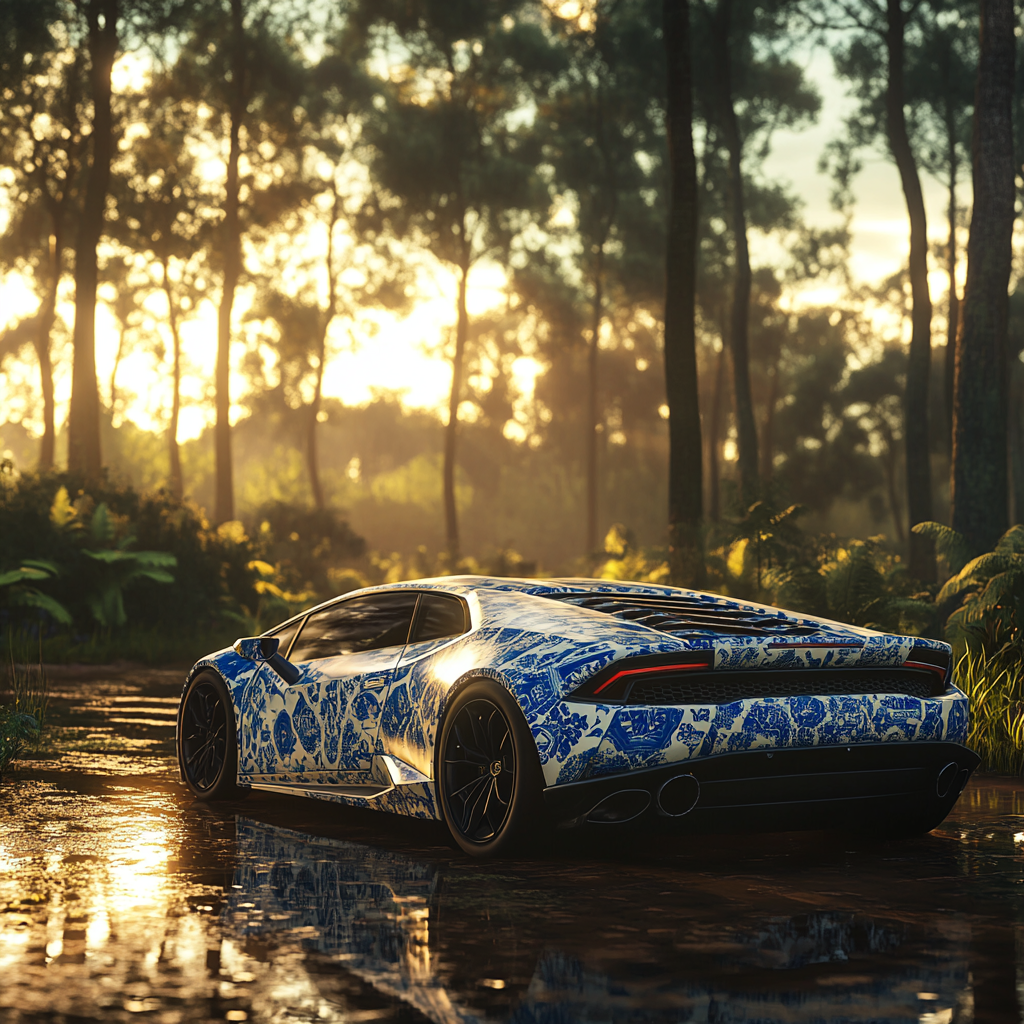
[103,570]
[102,540]
[858,581]
[984,597]
[624,561]
[305,544]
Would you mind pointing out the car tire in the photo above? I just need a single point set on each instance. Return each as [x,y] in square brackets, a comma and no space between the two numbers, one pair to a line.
[208,739]
[489,779]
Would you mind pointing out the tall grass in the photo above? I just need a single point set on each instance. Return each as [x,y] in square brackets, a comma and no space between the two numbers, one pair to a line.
[995,685]
[24,701]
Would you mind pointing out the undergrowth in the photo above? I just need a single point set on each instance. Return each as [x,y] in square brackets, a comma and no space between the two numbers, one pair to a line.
[161,647]
[995,685]
[24,703]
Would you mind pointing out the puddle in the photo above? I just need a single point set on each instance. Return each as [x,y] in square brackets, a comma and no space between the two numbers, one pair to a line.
[121,899]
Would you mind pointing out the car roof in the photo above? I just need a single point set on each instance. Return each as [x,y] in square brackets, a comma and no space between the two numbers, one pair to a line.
[543,587]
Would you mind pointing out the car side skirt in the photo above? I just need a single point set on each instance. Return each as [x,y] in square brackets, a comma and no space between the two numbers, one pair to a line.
[391,786]
[882,787]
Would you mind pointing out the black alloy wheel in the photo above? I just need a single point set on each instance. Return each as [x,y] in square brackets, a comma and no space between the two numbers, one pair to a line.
[480,770]
[207,741]
[489,773]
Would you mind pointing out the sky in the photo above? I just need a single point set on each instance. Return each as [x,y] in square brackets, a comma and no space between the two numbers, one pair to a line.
[405,354]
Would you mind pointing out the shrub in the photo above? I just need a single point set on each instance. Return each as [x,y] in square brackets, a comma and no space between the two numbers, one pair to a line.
[986,594]
[305,544]
[624,561]
[95,542]
[860,582]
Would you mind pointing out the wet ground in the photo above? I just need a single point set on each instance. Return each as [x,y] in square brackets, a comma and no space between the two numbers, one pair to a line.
[122,899]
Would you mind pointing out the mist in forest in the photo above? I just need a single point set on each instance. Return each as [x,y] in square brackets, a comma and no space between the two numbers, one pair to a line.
[511,217]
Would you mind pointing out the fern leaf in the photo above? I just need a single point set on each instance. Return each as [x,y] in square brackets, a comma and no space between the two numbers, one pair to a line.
[950,544]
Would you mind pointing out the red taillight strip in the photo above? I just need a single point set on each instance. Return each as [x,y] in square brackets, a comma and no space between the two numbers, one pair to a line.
[924,664]
[653,668]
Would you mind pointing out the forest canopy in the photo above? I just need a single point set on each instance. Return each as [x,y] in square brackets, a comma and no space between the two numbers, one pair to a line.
[238,197]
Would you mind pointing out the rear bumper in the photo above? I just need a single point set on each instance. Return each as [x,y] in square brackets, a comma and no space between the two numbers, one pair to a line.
[908,786]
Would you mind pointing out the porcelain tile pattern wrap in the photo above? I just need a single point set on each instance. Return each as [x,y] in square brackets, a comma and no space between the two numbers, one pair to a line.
[362,728]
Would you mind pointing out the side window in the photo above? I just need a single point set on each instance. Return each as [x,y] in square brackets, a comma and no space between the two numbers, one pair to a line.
[285,635]
[366,623]
[439,616]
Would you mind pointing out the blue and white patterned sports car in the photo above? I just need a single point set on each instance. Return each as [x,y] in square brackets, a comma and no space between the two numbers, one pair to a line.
[500,704]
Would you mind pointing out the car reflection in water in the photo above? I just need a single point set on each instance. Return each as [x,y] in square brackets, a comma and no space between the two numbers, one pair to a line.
[430,936]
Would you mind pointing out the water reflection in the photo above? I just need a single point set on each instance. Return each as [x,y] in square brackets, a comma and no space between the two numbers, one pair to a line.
[366,908]
[96,923]
[398,924]
[119,899]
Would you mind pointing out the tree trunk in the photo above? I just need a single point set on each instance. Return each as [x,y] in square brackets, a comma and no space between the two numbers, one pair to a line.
[979,478]
[685,467]
[173,451]
[84,455]
[312,458]
[113,371]
[451,512]
[47,448]
[889,461]
[715,440]
[768,431]
[918,455]
[739,332]
[592,405]
[232,253]
[954,299]
[1015,433]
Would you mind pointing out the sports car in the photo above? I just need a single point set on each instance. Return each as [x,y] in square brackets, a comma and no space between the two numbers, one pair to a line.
[505,707]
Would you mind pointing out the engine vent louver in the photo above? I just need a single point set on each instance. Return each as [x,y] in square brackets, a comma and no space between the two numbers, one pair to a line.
[689,676]
[689,618]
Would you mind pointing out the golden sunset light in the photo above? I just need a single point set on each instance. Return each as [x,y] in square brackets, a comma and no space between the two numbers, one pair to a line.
[511,510]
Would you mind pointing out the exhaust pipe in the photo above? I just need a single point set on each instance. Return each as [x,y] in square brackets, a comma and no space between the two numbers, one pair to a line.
[625,805]
[951,781]
[678,796]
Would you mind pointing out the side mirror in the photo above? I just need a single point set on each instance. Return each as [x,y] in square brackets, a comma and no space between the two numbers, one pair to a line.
[256,648]
[264,648]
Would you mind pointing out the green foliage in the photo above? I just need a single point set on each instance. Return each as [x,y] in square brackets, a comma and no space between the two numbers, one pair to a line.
[16,730]
[770,535]
[991,589]
[624,561]
[88,546]
[24,701]
[271,601]
[305,544]
[950,546]
[93,545]
[19,593]
[448,140]
[158,646]
[995,685]
[118,568]
[28,688]
[861,582]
